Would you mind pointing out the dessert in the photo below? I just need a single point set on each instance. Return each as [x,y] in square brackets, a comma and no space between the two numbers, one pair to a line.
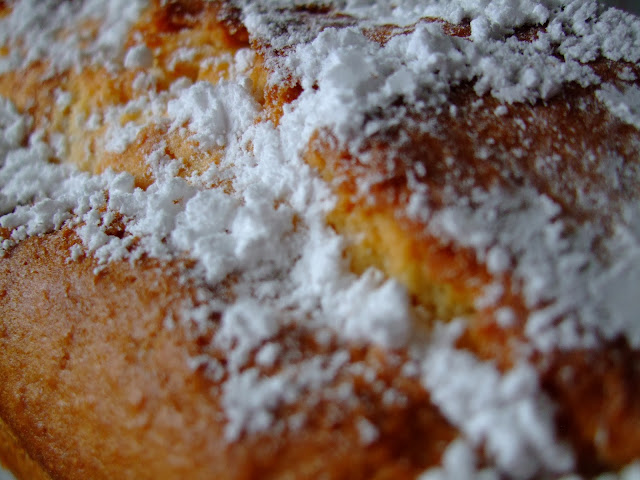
[339,239]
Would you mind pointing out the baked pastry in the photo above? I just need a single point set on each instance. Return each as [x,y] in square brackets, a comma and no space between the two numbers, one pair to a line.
[347,239]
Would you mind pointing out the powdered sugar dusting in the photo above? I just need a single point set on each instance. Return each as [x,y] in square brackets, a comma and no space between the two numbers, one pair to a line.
[14,127]
[267,229]
[250,398]
[213,112]
[500,13]
[623,104]
[459,462]
[507,414]
[351,74]
[57,31]
[244,233]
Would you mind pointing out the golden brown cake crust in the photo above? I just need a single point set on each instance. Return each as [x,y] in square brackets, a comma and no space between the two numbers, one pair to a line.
[96,373]
[14,457]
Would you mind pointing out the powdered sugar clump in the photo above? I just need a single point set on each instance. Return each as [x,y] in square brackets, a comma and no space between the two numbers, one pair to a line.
[119,137]
[13,127]
[623,104]
[213,112]
[139,56]
[506,414]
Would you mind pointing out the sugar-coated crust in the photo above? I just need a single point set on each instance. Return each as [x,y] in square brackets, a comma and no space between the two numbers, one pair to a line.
[191,313]
[594,389]
[98,375]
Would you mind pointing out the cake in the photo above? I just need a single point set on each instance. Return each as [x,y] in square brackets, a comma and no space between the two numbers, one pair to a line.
[319,239]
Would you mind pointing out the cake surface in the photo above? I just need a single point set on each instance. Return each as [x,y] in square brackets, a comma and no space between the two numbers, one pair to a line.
[324,239]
